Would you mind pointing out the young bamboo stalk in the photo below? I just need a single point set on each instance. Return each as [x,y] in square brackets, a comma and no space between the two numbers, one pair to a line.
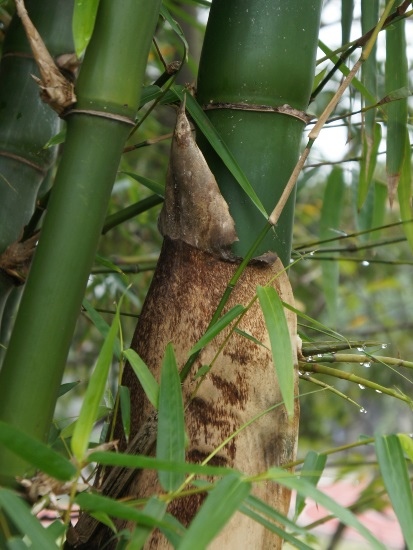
[108,92]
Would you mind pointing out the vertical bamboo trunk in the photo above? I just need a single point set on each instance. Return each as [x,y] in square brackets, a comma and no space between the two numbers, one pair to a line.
[108,93]
[26,125]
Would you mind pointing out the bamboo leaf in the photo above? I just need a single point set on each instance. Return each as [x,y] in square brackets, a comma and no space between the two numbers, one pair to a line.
[67,431]
[308,490]
[405,191]
[406,443]
[170,443]
[176,28]
[347,7]
[105,262]
[84,16]
[65,388]
[265,510]
[94,503]
[218,327]
[249,337]
[220,504]
[371,144]
[396,78]
[154,508]
[21,516]
[312,469]
[274,528]
[124,397]
[149,384]
[100,324]
[36,453]
[396,480]
[148,462]
[279,334]
[221,149]
[56,139]
[95,391]
[330,220]
[154,186]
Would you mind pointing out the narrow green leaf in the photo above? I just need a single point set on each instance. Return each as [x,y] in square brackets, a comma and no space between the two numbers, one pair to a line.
[149,93]
[149,384]
[218,327]
[279,334]
[95,391]
[154,508]
[221,149]
[56,140]
[100,324]
[67,431]
[318,78]
[65,388]
[124,397]
[274,528]
[329,221]
[379,209]
[396,480]
[312,469]
[94,503]
[221,503]
[371,143]
[308,490]
[176,28]
[150,463]
[170,444]
[36,453]
[396,77]
[21,516]
[407,445]
[347,7]
[104,518]
[105,262]
[405,192]
[84,16]
[16,544]
[154,186]
[263,509]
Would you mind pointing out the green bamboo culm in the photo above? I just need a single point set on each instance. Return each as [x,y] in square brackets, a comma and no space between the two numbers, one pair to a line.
[235,70]
[108,93]
[26,124]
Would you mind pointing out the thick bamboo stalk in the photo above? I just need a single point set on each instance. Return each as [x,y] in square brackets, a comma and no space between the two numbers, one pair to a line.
[26,124]
[258,53]
[108,94]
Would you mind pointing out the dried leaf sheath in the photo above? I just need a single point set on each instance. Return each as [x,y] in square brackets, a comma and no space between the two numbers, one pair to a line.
[194,210]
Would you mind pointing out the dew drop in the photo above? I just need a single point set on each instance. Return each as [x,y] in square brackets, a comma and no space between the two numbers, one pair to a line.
[378,391]
[367,364]
[361,348]
[312,253]
[363,410]
[310,359]
[362,387]
[365,263]
[319,355]
[384,346]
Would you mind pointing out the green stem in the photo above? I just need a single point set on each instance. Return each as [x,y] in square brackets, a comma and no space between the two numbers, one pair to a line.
[109,84]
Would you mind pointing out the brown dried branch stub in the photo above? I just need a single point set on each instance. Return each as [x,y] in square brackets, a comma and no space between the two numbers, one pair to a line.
[16,259]
[56,91]
[194,210]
